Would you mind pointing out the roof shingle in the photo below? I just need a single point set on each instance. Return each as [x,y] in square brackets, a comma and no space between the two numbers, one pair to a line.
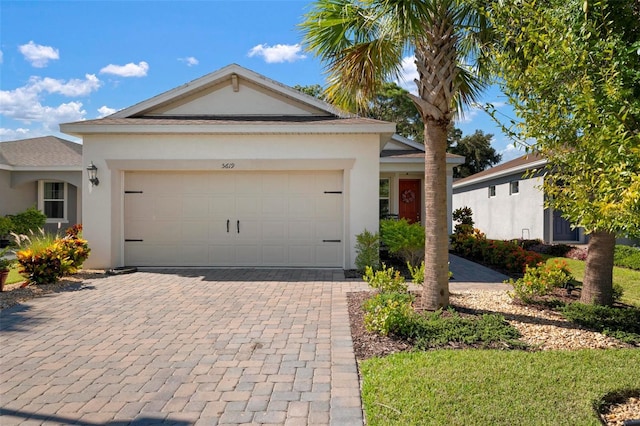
[44,151]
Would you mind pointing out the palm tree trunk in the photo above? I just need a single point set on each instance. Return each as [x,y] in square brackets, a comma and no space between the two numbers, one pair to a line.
[435,293]
[597,287]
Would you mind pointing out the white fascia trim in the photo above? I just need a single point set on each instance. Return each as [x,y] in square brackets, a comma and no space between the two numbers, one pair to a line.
[408,142]
[519,169]
[391,160]
[46,168]
[6,167]
[79,130]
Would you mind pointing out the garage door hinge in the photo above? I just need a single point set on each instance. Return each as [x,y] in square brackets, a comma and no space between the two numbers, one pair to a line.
[331,241]
[133,192]
[333,192]
[127,240]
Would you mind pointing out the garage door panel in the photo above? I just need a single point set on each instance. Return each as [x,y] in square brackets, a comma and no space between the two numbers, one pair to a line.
[194,255]
[300,255]
[218,231]
[328,206]
[274,255]
[248,183]
[168,207]
[301,207]
[273,206]
[248,255]
[195,207]
[247,206]
[301,230]
[283,216]
[274,230]
[222,206]
[194,231]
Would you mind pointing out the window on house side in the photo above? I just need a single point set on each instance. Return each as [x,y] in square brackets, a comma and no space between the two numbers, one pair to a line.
[384,197]
[52,200]
[514,187]
[492,191]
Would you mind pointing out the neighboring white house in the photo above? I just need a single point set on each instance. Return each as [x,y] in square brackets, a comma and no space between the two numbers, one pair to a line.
[235,169]
[508,205]
[43,172]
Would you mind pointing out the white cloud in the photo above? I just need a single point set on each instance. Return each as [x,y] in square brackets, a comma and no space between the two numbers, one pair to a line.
[25,104]
[510,152]
[105,110]
[189,60]
[128,70]
[38,55]
[72,88]
[408,75]
[19,133]
[278,53]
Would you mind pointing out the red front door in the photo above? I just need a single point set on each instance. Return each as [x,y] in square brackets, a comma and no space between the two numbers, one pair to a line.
[409,194]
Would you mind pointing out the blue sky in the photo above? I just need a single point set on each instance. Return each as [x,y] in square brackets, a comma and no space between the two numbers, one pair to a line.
[64,61]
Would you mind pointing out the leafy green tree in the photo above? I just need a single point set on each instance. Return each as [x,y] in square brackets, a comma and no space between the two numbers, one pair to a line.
[393,103]
[314,90]
[476,149]
[571,69]
[363,42]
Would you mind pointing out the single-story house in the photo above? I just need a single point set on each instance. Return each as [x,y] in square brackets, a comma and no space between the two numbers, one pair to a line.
[235,169]
[508,204]
[44,172]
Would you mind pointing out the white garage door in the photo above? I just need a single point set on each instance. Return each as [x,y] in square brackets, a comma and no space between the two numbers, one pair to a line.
[233,218]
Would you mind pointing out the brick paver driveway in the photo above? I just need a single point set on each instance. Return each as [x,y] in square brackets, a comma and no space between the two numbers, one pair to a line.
[183,347]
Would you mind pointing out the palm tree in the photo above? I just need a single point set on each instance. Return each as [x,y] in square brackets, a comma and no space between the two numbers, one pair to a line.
[362,43]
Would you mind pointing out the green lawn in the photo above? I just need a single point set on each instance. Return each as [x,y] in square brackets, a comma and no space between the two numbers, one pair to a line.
[629,279]
[486,387]
[14,276]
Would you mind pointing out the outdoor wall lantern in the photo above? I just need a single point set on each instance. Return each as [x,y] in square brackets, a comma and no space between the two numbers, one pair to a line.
[93,174]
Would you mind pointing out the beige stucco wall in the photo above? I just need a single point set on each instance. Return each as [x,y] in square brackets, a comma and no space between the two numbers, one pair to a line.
[16,199]
[357,155]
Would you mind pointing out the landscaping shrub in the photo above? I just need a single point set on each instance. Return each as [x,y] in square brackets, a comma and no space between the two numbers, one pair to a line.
[403,239]
[528,244]
[440,328]
[386,280]
[74,248]
[6,226]
[28,222]
[368,250]
[627,257]
[387,313]
[43,265]
[541,280]
[620,323]
[47,258]
[417,273]
[464,217]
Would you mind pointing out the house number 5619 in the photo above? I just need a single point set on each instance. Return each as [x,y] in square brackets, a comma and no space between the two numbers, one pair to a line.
[228,165]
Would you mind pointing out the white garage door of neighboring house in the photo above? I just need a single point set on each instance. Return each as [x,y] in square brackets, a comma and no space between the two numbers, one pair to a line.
[233,218]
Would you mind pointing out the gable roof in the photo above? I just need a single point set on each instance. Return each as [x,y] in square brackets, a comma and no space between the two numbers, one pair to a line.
[517,165]
[232,100]
[47,152]
[232,76]
[401,149]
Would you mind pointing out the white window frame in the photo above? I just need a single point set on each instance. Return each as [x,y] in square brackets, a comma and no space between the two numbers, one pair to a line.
[513,183]
[65,201]
[388,198]
[492,191]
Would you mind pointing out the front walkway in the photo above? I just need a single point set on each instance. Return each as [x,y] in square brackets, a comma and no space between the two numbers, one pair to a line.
[183,347]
